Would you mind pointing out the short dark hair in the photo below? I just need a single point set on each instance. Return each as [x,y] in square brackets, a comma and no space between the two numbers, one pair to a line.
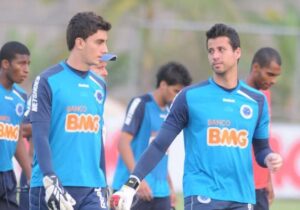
[264,56]
[173,73]
[83,25]
[10,49]
[221,29]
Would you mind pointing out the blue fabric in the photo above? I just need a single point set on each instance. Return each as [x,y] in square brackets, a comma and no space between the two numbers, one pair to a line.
[218,126]
[161,203]
[13,104]
[204,203]
[86,198]
[71,104]
[143,120]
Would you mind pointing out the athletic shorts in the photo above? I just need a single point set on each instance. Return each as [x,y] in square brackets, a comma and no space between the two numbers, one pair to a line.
[86,198]
[23,193]
[262,202]
[8,193]
[156,203]
[205,203]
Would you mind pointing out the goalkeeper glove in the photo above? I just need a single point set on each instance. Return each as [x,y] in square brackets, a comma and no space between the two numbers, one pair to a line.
[55,195]
[122,199]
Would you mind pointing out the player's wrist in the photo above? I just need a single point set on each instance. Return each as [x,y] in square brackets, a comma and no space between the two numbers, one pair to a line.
[133,182]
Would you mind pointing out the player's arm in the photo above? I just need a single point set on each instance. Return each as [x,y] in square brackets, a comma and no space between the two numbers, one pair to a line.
[172,191]
[55,195]
[124,147]
[133,120]
[175,122]
[27,130]
[264,156]
[270,190]
[22,157]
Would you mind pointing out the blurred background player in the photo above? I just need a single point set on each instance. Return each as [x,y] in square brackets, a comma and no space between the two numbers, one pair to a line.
[221,118]
[66,115]
[14,63]
[144,117]
[27,134]
[265,68]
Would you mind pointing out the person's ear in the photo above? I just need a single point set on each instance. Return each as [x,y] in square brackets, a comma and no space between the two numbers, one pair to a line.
[5,64]
[79,43]
[163,84]
[255,67]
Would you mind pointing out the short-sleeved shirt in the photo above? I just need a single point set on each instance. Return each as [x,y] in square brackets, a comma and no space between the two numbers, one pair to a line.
[219,126]
[72,102]
[13,104]
[143,120]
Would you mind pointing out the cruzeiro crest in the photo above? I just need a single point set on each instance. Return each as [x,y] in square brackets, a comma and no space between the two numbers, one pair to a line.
[99,96]
[246,111]
[19,109]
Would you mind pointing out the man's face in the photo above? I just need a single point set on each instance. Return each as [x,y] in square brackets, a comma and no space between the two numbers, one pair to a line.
[94,47]
[18,68]
[265,77]
[221,56]
[100,69]
[170,91]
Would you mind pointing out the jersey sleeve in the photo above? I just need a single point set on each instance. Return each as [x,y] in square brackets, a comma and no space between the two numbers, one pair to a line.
[40,119]
[178,116]
[175,122]
[41,100]
[134,116]
[262,128]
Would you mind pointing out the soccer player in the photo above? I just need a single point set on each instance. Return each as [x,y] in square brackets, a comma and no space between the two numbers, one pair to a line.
[100,69]
[14,69]
[144,117]
[27,133]
[66,116]
[265,68]
[221,118]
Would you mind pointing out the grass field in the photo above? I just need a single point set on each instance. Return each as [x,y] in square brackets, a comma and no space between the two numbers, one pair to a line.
[278,204]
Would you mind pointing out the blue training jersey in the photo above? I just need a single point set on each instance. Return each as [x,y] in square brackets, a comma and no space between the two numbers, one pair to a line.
[219,126]
[143,120]
[72,102]
[13,104]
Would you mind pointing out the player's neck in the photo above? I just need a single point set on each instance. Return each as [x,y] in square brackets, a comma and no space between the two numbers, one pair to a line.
[75,61]
[7,84]
[157,95]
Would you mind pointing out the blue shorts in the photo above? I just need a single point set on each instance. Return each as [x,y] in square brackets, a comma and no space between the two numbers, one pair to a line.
[8,193]
[204,203]
[23,193]
[262,202]
[86,198]
[156,203]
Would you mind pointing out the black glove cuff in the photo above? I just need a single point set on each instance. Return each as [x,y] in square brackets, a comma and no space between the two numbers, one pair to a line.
[133,183]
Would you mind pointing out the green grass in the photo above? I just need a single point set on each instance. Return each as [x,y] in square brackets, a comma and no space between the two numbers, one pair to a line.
[278,204]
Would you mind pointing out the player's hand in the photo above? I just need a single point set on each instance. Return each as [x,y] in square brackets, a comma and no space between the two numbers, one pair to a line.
[55,195]
[273,161]
[122,199]
[144,192]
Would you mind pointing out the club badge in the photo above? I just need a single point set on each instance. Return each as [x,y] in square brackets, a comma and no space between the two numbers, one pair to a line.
[99,96]
[246,111]
[19,109]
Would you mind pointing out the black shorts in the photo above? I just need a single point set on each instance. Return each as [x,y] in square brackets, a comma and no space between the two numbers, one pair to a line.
[8,192]
[262,202]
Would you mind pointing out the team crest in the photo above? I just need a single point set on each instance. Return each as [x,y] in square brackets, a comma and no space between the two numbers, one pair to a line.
[19,109]
[203,199]
[246,111]
[99,96]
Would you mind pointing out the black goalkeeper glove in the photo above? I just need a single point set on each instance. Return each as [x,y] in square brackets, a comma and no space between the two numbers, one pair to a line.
[55,195]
